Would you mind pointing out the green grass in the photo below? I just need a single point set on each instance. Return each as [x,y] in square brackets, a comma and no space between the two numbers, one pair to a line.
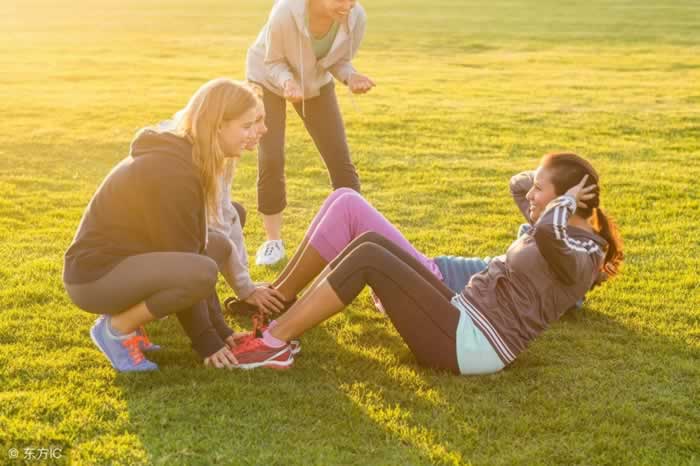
[468,93]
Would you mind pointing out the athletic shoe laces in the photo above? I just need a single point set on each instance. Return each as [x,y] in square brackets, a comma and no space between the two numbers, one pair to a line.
[132,345]
[146,341]
[249,345]
[269,249]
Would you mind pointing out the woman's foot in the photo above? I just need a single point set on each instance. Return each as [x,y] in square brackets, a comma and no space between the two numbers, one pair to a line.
[122,351]
[243,337]
[254,353]
[270,252]
[240,308]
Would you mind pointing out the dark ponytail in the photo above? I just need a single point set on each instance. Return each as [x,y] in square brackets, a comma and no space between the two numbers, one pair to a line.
[567,170]
[614,256]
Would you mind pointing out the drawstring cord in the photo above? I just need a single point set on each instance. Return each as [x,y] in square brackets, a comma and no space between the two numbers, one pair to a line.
[352,96]
[301,62]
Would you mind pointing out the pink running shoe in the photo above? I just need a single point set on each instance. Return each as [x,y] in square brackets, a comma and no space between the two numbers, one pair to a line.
[255,353]
[241,338]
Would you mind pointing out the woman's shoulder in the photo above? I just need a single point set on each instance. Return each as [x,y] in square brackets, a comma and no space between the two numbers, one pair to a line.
[284,10]
[359,11]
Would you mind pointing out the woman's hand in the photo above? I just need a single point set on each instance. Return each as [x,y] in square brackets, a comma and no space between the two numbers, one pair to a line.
[582,194]
[359,83]
[231,340]
[223,358]
[268,300]
[292,91]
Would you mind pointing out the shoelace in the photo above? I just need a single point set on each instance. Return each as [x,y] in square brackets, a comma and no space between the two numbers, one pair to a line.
[146,341]
[247,345]
[132,344]
[269,248]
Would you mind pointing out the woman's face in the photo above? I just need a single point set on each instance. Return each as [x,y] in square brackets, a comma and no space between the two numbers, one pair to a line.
[541,193]
[338,9]
[236,135]
[260,128]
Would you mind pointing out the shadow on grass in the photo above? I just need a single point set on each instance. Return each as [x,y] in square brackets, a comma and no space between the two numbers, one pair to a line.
[357,396]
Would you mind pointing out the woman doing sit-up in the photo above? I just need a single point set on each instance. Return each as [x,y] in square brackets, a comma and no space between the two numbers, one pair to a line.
[503,304]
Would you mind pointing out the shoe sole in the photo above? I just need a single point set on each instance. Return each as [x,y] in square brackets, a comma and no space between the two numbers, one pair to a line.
[271,364]
[269,263]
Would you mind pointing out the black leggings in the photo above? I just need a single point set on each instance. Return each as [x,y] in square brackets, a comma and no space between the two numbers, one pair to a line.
[324,123]
[417,303]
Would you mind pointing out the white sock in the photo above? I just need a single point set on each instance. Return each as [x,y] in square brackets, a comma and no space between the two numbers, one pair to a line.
[115,334]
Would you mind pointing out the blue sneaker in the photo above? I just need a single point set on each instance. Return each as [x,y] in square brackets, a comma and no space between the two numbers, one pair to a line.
[124,353]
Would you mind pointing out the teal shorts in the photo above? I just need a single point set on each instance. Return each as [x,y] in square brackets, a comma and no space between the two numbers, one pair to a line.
[475,355]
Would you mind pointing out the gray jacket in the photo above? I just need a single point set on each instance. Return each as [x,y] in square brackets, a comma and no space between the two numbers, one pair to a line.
[228,224]
[283,50]
[543,273]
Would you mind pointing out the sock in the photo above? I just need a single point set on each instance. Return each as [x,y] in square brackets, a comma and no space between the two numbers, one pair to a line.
[272,341]
[115,334]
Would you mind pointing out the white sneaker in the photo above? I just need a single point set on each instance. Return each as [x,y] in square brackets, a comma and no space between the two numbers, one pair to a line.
[270,252]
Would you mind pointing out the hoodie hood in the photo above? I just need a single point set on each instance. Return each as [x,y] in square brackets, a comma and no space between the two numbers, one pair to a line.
[151,141]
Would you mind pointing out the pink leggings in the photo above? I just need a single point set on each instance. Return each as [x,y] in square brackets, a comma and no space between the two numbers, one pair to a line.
[344,216]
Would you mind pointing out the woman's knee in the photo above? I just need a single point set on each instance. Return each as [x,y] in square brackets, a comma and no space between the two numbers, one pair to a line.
[242,213]
[368,252]
[369,237]
[352,204]
[342,191]
[219,247]
[203,276]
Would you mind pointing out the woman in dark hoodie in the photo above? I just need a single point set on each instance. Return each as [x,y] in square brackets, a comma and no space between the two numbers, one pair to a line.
[140,251]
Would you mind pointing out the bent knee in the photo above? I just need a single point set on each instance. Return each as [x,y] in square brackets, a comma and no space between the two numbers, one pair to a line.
[344,190]
[204,276]
[369,252]
[370,237]
[219,247]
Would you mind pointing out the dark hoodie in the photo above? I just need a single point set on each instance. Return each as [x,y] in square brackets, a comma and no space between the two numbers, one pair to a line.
[152,201]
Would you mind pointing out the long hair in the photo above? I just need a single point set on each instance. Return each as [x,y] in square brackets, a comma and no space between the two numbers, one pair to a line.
[216,102]
[566,171]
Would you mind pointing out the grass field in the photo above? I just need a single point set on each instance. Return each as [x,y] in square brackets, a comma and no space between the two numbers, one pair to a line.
[468,93]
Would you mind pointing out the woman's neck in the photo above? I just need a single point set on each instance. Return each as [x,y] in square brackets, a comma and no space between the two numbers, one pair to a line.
[318,12]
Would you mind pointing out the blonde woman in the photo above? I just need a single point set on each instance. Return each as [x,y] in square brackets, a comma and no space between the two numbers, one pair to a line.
[302,47]
[226,229]
[140,251]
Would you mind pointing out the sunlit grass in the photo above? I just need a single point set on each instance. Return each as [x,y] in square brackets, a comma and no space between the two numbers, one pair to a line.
[468,94]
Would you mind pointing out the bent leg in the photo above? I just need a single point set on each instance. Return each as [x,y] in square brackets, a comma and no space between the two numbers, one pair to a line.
[167,282]
[421,312]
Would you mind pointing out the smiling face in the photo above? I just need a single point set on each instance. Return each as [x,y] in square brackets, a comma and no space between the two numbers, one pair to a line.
[541,193]
[259,126]
[338,9]
[235,135]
